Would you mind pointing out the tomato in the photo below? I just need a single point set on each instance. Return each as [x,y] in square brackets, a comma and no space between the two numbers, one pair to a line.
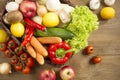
[26,70]
[18,66]
[97,59]
[30,62]
[8,53]
[23,56]
[12,44]
[18,51]
[2,46]
[14,60]
[89,50]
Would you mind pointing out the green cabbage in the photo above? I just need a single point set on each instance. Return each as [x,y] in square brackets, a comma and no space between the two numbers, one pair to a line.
[83,22]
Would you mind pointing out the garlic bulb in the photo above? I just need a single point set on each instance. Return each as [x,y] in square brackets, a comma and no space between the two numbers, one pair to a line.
[5,68]
[109,2]
[94,4]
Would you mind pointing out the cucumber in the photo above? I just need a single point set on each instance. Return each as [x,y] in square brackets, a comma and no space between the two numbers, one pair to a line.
[56,32]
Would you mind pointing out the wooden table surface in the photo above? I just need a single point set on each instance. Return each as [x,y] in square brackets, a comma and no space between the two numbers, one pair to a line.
[106,41]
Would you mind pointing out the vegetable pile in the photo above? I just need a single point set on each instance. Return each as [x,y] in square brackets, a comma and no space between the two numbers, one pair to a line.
[44,30]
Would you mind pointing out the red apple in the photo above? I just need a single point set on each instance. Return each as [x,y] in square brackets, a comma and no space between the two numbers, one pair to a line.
[67,73]
[47,75]
[28,8]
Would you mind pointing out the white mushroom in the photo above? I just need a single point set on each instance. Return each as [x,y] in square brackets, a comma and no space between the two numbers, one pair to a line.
[94,4]
[109,2]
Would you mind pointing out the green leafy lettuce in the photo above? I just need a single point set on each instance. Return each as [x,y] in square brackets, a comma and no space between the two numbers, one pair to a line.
[83,22]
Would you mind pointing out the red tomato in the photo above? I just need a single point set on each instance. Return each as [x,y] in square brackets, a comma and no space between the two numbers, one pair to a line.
[18,51]
[89,50]
[26,70]
[12,44]
[24,56]
[30,62]
[18,66]
[8,53]
[97,59]
[14,60]
[2,46]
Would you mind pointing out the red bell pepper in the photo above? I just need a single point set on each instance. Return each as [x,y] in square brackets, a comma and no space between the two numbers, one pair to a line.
[59,53]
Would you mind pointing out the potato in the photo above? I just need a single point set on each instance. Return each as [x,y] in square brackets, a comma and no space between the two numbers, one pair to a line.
[14,16]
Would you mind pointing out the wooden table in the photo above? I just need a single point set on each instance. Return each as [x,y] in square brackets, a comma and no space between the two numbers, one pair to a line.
[106,41]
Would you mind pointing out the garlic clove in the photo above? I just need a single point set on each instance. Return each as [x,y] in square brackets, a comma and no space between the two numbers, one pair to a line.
[94,4]
[109,2]
[10,71]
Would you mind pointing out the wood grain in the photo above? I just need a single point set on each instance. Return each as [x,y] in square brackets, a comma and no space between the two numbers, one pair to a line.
[106,41]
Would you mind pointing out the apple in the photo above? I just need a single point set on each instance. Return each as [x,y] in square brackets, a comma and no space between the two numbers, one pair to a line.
[47,75]
[67,73]
[28,8]
[89,50]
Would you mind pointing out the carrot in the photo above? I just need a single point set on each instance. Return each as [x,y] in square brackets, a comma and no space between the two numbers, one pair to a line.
[49,40]
[31,50]
[40,59]
[38,46]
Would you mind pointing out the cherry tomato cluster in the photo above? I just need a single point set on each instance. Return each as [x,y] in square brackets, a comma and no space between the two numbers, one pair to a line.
[90,50]
[18,57]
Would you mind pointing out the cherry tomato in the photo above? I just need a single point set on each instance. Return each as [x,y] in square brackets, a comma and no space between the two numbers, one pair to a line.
[23,56]
[26,70]
[89,50]
[18,51]
[2,46]
[14,60]
[12,44]
[18,66]
[97,59]
[8,53]
[30,62]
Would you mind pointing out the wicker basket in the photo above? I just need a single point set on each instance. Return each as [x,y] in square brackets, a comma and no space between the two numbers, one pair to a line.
[18,41]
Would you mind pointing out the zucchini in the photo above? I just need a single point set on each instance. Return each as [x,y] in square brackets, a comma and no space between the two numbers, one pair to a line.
[56,32]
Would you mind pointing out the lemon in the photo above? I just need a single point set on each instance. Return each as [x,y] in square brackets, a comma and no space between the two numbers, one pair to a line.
[17,29]
[50,19]
[107,13]
[4,37]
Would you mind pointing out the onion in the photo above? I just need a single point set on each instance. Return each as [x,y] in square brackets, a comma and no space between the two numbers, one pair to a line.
[11,6]
[5,68]
[41,10]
